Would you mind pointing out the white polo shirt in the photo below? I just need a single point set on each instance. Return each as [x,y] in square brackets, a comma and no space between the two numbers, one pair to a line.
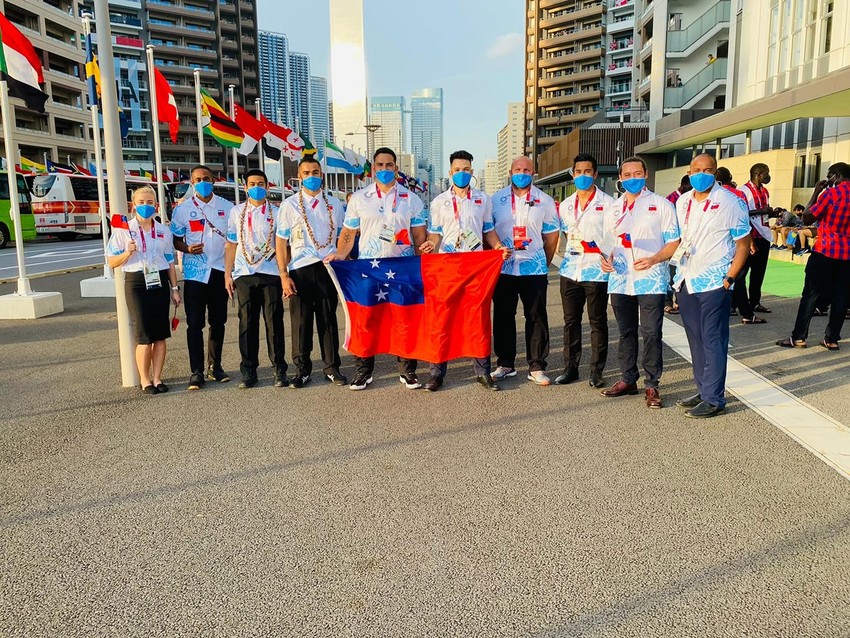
[709,231]
[258,226]
[453,217]
[399,210]
[586,225]
[303,214]
[537,214]
[637,232]
[196,222]
[154,247]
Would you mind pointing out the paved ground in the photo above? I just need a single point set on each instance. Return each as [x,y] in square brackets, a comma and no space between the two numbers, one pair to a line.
[48,256]
[322,512]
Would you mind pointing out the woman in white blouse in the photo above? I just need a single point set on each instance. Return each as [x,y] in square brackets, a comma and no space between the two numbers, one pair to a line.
[143,248]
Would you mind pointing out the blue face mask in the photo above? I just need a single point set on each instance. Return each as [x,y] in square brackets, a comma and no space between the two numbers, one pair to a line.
[461,180]
[145,211]
[521,180]
[312,183]
[385,177]
[702,181]
[583,182]
[257,193]
[634,185]
[203,189]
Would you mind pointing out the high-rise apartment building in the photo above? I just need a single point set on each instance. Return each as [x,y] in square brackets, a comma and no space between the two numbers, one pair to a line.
[348,72]
[564,56]
[299,92]
[62,132]
[320,123]
[273,52]
[618,65]
[427,131]
[388,113]
[491,179]
[510,140]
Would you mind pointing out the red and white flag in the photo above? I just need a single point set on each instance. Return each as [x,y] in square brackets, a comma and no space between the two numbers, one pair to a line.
[285,140]
[20,66]
[253,129]
[166,105]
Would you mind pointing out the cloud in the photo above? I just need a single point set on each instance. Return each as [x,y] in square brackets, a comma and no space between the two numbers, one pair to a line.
[506,45]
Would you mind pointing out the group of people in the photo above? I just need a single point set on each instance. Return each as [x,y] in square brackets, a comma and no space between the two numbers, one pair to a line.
[616,249]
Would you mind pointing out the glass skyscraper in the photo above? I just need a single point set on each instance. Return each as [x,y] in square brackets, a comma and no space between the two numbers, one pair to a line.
[273,52]
[388,112]
[320,125]
[427,131]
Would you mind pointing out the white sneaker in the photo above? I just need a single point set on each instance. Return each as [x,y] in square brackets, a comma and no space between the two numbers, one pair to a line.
[502,372]
[539,378]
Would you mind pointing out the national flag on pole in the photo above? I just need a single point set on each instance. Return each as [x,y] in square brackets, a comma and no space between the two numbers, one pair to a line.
[335,158]
[32,167]
[196,225]
[253,129]
[20,66]
[434,307]
[626,238]
[217,124]
[403,180]
[284,140]
[166,105]
[308,149]
[56,167]
[591,247]
[93,81]
[80,170]
[119,221]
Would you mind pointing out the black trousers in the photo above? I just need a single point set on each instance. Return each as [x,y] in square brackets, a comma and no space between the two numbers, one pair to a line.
[316,300]
[531,289]
[646,312]
[574,295]
[260,294]
[746,298]
[824,277]
[364,366]
[206,303]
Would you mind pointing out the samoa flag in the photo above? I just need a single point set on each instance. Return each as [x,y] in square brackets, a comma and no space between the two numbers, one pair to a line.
[119,221]
[434,307]
[591,247]
[196,225]
[626,238]
[402,237]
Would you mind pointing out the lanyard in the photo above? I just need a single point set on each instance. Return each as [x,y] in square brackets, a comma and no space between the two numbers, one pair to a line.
[144,243]
[689,235]
[251,216]
[395,198]
[513,205]
[454,203]
[207,222]
[584,210]
[627,210]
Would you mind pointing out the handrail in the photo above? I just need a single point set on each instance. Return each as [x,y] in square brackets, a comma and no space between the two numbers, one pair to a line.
[679,41]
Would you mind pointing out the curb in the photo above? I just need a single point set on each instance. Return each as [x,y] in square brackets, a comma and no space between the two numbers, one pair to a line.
[41,275]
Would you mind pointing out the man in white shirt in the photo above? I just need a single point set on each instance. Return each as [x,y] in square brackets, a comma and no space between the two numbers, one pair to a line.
[391,222]
[526,219]
[308,227]
[461,221]
[199,226]
[642,235]
[715,245]
[582,217]
[758,201]
[251,272]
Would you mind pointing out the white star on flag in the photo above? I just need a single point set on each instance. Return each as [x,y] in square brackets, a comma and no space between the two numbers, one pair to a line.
[375,263]
[381,295]
[390,274]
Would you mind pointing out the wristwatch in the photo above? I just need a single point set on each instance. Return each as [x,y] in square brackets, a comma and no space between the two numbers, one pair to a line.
[175,288]
[729,280]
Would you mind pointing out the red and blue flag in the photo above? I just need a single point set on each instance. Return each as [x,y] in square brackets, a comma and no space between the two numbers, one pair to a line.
[119,221]
[196,225]
[626,238]
[591,247]
[434,307]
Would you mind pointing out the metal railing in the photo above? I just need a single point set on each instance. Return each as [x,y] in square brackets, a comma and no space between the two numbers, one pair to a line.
[679,41]
[677,97]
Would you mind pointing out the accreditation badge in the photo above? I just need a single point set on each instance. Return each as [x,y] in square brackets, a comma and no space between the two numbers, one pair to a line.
[152,278]
[521,240]
[387,234]
[680,257]
[575,243]
[471,241]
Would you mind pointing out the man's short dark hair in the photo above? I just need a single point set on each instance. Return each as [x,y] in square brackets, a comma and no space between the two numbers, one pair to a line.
[760,167]
[585,157]
[200,167]
[842,169]
[384,150]
[256,172]
[460,155]
[686,182]
[723,175]
[308,159]
[634,160]
[798,207]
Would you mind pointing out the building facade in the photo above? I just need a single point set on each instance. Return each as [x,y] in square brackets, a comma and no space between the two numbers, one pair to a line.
[299,92]
[510,140]
[427,131]
[348,72]
[491,179]
[388,113]
[320,122]
[273,52]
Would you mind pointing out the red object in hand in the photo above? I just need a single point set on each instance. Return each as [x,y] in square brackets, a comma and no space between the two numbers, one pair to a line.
[174,323]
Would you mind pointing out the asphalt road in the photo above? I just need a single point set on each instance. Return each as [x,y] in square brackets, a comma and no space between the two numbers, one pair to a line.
[324,512]
[49,256]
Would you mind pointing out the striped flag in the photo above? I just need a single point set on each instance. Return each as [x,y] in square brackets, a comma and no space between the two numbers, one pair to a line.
[32,167]
[80,170]
[253,129]
[20,66]
[217,124]
[56,167]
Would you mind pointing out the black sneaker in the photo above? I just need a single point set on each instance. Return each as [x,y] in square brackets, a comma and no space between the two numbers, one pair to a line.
[337,378]
[360,382]
[217,375]
[596,379]
[299,381]
[410,381]
[248,382]
[196,381]
[280,381]
[487,382]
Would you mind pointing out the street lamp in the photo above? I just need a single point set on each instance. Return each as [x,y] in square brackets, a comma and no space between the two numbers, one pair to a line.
[370,139]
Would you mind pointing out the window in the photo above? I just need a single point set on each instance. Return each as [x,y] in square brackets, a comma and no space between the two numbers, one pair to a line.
[800,171]
[828,6]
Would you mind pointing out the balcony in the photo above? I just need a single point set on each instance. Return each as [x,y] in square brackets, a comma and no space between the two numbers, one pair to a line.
[705,28]
[645,50]
[705,81]
[644,85]
[560,120]
[621,46]
[618,90]
[570,58]
[568,98]
[568,38]
[616,26]
[171,8]
[569,17]
[125,21]
[624,68]
[617,6]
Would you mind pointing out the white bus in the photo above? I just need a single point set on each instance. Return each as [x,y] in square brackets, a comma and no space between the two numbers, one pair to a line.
[67,205]
[225,189]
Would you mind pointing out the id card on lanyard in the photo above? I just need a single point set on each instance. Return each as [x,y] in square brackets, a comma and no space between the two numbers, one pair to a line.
[465,237]
[521,240]
[388,231]
[152,278]
[683,251]
[575,242]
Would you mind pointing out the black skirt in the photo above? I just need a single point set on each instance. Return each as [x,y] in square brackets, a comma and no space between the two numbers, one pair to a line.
[149,309]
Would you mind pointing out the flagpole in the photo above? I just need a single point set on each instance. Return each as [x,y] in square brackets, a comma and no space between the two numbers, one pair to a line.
[157,138]
[230,90]
[117,185]
[199,114]
[258,103]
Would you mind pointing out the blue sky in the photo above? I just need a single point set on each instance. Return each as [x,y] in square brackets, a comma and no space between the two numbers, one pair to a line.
[473,50]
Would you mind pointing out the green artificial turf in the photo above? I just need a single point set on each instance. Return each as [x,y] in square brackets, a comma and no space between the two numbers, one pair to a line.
[784,279]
